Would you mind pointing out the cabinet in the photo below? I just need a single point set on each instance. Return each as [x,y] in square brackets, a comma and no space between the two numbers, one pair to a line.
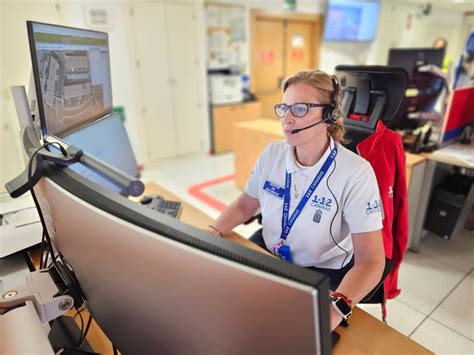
[171,77]
[224,117]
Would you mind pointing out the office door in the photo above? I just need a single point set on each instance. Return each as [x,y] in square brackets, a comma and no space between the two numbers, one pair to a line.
[281,46]
[268,64]
[301,46]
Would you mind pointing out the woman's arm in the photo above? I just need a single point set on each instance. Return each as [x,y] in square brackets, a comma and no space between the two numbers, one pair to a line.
[237,213]
[369,263]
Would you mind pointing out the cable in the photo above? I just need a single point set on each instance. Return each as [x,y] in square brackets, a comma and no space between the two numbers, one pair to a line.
[334,217]
[41,265]
[82,327]
[48,238]
[43,223]
[78,311]
[84,334]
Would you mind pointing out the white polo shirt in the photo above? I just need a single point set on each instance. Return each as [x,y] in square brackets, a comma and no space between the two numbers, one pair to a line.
[346,201]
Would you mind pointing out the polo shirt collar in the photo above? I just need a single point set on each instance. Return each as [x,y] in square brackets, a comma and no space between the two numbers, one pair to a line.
[291,166]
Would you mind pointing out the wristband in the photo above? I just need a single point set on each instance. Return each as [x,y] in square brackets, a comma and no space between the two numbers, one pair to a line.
[217,230]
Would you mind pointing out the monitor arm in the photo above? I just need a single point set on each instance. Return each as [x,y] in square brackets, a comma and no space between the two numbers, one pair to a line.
[22,183]
[69,155]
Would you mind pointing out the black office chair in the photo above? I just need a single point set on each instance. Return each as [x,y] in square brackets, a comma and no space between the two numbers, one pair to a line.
[370,93]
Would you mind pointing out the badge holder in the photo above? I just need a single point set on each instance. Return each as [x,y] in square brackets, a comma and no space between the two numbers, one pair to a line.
[283,251]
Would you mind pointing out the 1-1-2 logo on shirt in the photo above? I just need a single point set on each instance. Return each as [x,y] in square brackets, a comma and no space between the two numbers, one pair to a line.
[323,203]
[373,207]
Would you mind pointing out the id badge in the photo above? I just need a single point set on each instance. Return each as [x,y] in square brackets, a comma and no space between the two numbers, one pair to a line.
[283,251]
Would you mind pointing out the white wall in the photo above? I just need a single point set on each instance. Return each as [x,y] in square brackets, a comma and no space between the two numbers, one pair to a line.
[404,25]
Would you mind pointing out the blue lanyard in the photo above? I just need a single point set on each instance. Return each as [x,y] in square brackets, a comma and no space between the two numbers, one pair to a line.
[286,223]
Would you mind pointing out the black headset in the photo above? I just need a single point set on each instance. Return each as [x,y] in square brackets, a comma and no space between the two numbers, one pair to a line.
[329,112]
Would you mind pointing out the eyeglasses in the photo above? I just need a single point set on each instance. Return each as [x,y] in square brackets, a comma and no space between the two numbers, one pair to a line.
[297,110]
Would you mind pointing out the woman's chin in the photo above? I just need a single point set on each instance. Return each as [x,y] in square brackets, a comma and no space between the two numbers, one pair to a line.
[290,139]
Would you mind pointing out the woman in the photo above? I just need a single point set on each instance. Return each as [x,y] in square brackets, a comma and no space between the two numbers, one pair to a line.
[320,202]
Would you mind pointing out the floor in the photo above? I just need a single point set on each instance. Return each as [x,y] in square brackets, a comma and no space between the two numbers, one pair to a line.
[436,306]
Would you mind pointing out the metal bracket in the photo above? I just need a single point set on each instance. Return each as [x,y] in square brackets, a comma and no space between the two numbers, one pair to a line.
[43,292]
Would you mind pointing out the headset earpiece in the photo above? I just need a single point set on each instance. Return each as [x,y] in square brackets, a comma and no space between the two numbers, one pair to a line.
[329,114]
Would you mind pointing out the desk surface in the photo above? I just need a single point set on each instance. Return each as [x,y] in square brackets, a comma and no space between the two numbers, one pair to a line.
[365,334]
[455,154]
[264,125]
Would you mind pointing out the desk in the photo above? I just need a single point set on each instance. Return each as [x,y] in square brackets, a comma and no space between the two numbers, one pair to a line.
[365,334]
[223,119]
[450,155]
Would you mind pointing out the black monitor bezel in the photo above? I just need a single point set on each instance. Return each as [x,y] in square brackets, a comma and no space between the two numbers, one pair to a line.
[34,64]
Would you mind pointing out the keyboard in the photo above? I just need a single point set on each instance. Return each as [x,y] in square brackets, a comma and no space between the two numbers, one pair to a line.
[159,204]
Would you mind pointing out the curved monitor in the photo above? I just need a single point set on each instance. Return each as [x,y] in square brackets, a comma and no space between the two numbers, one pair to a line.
[156,284]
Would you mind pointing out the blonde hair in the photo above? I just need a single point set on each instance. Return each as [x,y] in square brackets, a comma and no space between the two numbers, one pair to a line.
[322,82]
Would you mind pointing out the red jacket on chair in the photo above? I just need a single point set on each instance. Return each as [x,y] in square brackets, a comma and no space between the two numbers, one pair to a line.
[384,151]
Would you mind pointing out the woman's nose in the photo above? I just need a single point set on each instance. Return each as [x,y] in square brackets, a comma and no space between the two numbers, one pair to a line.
[289,116]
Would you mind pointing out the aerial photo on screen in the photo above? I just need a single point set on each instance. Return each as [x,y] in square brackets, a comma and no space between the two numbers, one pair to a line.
[69,94]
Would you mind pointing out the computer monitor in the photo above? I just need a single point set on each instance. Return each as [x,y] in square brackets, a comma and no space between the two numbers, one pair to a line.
[459,115]
[351,20]
[107,140]
[423,88]
[71,69]
[155,284]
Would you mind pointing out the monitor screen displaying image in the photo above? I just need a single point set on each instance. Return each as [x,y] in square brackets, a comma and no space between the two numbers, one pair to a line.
[348,20]
[71,68]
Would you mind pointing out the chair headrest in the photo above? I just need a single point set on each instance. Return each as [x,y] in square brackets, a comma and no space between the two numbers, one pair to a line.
[375,91]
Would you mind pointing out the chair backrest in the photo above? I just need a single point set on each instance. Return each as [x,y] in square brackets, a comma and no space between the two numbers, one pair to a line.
[377,293]
[370,93]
